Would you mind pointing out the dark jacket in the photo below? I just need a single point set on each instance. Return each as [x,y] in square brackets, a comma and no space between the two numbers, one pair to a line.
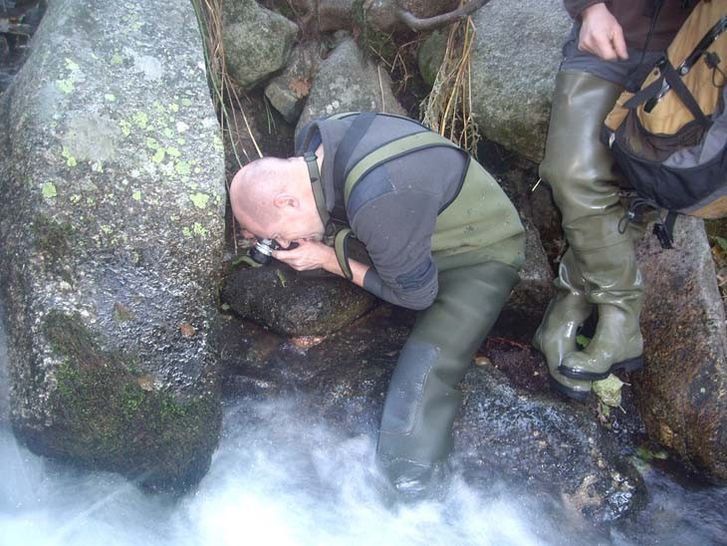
[635,17]
[395,207]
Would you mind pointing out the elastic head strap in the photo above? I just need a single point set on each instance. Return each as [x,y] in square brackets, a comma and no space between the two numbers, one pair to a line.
[311,160]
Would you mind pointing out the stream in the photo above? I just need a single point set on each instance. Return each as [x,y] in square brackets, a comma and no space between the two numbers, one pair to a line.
[281,477]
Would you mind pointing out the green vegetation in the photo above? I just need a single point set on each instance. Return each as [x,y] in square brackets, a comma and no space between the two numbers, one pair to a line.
[117,418]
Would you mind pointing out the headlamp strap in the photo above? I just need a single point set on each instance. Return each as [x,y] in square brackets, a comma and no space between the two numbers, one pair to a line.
[311,160]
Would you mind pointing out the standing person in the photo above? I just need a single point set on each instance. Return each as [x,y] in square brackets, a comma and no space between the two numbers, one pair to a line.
[612,44]
[441,236]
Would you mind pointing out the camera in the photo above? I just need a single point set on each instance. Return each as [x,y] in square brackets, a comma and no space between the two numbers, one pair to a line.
[262,252]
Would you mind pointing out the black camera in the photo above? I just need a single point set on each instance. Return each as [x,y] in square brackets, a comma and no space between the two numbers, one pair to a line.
[262,252]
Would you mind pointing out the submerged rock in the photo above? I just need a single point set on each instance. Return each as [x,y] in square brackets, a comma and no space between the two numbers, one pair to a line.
[111,231]
[682,391]
[503,431]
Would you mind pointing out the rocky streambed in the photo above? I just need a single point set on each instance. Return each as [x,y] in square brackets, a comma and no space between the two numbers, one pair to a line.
[121,356]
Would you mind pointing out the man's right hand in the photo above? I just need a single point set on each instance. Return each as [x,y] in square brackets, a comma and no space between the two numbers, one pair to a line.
[601,34]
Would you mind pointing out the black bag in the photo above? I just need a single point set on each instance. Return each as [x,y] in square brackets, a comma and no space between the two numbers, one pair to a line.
[670,137]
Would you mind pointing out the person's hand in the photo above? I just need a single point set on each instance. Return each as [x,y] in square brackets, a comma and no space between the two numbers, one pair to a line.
[601,34]
[307,255]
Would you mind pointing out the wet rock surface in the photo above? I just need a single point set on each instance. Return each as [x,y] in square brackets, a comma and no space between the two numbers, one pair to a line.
[682,392]
[293,303]
[510,425]
[112,233]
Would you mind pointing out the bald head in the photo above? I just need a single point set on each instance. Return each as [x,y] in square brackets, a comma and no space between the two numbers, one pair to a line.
[272,198]
[255,186]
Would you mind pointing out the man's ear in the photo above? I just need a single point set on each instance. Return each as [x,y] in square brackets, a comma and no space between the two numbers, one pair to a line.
[283,200]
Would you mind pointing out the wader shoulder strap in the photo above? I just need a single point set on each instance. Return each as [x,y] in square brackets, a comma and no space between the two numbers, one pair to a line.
[392,150]
[349,142]
[387,152]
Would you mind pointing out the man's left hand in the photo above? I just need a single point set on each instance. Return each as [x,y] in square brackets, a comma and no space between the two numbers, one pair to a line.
[307,255]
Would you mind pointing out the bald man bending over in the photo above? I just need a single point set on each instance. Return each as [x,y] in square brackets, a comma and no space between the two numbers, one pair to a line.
[441,236]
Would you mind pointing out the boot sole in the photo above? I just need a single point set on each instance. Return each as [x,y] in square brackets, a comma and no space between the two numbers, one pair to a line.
[629,365]
[582,396]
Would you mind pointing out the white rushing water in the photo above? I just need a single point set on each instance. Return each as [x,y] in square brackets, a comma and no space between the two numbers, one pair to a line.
[277,478]
[280,478]
[281,482]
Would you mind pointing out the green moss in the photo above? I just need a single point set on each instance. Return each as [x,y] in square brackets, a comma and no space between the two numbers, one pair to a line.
[70,160]
[71,65]
[141,119]
[65,86]
[49,190]
[114,417]
[159,156]
[182,167]
[200,200]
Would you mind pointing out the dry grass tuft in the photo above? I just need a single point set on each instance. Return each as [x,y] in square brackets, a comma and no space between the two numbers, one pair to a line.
[448,107]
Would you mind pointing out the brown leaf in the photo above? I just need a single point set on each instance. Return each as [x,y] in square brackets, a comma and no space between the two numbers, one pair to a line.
[187,329]
[300,87]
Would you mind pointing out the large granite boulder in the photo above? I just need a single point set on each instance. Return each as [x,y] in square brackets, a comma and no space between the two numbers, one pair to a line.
[111,233]
[682,391]
[503,432]
[257,41]
[514,61]
[347,82]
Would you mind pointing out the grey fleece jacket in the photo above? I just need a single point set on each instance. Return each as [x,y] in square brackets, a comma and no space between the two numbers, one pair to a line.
[394,208]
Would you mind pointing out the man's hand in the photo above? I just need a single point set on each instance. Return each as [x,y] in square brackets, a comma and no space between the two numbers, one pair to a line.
[307,255]
[601,34]
[315,255]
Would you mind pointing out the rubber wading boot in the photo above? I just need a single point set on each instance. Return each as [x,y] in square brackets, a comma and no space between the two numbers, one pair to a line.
[616,288]
[556,335]
[579,168]
[422,400]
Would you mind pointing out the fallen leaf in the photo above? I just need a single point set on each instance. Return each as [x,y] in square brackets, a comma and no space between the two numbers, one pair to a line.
[299,87]
[187,329]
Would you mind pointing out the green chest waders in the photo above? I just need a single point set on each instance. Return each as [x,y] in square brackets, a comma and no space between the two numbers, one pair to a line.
[422,399]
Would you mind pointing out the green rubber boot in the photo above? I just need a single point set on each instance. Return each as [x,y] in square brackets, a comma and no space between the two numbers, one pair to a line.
[556,335]
[423,399]
[579,168]
[616,289]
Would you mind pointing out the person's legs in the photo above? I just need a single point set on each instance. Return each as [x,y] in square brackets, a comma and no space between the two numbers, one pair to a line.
[556,335]
[579,169]
[422,400]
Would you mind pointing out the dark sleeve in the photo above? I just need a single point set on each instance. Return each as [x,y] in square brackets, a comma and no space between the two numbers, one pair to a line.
[397,231]
[575,7]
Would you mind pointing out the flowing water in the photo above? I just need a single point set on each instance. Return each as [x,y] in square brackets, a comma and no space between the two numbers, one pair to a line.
[281,478]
